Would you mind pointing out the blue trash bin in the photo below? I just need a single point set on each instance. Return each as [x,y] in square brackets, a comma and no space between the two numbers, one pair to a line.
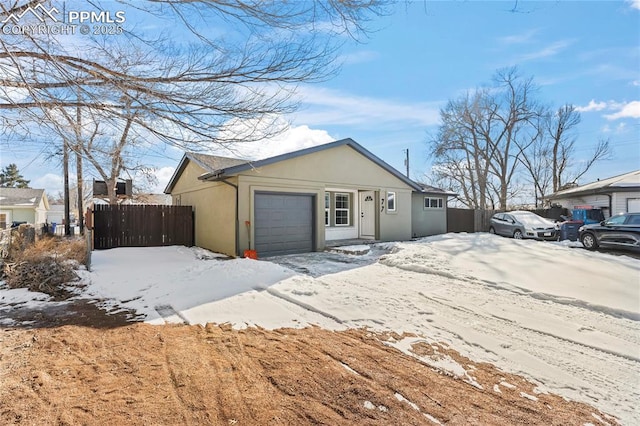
[569,230]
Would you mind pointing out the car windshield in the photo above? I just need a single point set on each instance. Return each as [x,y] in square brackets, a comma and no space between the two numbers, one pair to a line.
[616,220]
[532,219]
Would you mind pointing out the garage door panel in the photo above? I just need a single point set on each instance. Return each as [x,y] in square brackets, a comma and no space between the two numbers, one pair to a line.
[283,223]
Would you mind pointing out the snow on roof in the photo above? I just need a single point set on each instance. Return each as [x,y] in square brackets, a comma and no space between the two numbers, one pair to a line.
[627,180]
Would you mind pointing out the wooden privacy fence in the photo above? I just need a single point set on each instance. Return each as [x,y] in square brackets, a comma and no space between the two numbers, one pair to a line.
[460,220]
[468,220]
[141,226]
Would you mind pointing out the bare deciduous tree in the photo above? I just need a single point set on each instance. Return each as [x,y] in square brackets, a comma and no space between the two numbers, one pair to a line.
[493,139]
[482,138]
[133,87]
[552,163]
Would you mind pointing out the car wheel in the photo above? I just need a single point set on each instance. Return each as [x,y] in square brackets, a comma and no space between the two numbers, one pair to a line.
[589,241]
[492,231]
[517,234]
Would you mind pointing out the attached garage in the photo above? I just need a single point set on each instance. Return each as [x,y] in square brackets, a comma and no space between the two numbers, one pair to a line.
[284,223]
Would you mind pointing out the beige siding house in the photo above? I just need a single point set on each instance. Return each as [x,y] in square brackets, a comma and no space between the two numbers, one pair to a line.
[295,202]
[618,194]
[22,205]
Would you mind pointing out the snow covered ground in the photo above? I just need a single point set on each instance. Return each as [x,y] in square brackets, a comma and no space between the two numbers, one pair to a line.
[567,318]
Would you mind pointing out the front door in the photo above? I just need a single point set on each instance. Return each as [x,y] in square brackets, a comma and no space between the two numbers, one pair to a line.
[367,214]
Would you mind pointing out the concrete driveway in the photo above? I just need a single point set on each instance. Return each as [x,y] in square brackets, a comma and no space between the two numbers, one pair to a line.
[334,259]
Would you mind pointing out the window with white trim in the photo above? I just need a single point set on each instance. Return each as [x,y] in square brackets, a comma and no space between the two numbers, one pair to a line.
[327,208]
[342,209]
[391,201]
[433,203]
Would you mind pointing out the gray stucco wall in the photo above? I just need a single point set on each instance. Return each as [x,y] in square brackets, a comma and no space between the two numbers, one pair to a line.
[427,221]
[395,226]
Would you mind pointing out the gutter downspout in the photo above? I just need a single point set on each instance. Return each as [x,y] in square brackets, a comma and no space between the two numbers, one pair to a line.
[610,205]
[237,216]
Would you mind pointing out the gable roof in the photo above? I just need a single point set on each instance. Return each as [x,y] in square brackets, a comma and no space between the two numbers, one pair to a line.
[221,167]
[625,182]
[22,197]
[207,162]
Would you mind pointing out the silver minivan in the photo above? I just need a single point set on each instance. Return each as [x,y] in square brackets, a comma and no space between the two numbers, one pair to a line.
[522,224]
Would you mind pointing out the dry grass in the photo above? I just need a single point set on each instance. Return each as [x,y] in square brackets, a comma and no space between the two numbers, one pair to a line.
[46,265]
[58,248]
[214,375]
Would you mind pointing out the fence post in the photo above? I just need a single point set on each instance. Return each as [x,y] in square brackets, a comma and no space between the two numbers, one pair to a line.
[89,237]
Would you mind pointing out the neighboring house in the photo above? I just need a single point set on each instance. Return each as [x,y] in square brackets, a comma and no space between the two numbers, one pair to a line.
[56,214]
[22,205]
[294,202]
[429,211]
[618,194]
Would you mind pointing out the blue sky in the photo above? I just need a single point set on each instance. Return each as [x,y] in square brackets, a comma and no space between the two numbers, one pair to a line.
[584,53]
[389,90]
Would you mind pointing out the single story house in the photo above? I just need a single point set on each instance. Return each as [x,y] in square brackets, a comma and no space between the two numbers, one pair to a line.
[299,201]
[618,194]
[56,214]
[23,205]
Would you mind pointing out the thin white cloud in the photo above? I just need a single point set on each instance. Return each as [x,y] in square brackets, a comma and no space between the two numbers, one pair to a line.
[620,129]
[635,82]
[520,38]
[551,50]
[592,106]
[635,4]
[332,107]
[629,110]
[357,57]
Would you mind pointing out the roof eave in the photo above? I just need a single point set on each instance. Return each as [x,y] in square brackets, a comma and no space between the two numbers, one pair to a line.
[210,176]
[176,174]
[596,191]
[230,171]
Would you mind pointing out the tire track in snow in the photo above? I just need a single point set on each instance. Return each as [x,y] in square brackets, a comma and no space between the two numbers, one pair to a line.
[576,359]
[544,333]
[518,332]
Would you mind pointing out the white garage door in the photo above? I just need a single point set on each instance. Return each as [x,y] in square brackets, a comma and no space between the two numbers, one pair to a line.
[633,205]
[283,223]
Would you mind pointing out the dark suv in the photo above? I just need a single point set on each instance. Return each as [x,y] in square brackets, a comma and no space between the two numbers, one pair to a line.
[620,231]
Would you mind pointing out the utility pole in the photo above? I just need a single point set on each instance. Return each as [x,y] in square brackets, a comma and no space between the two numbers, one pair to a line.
[406,160]
[65,172]
[79,179]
